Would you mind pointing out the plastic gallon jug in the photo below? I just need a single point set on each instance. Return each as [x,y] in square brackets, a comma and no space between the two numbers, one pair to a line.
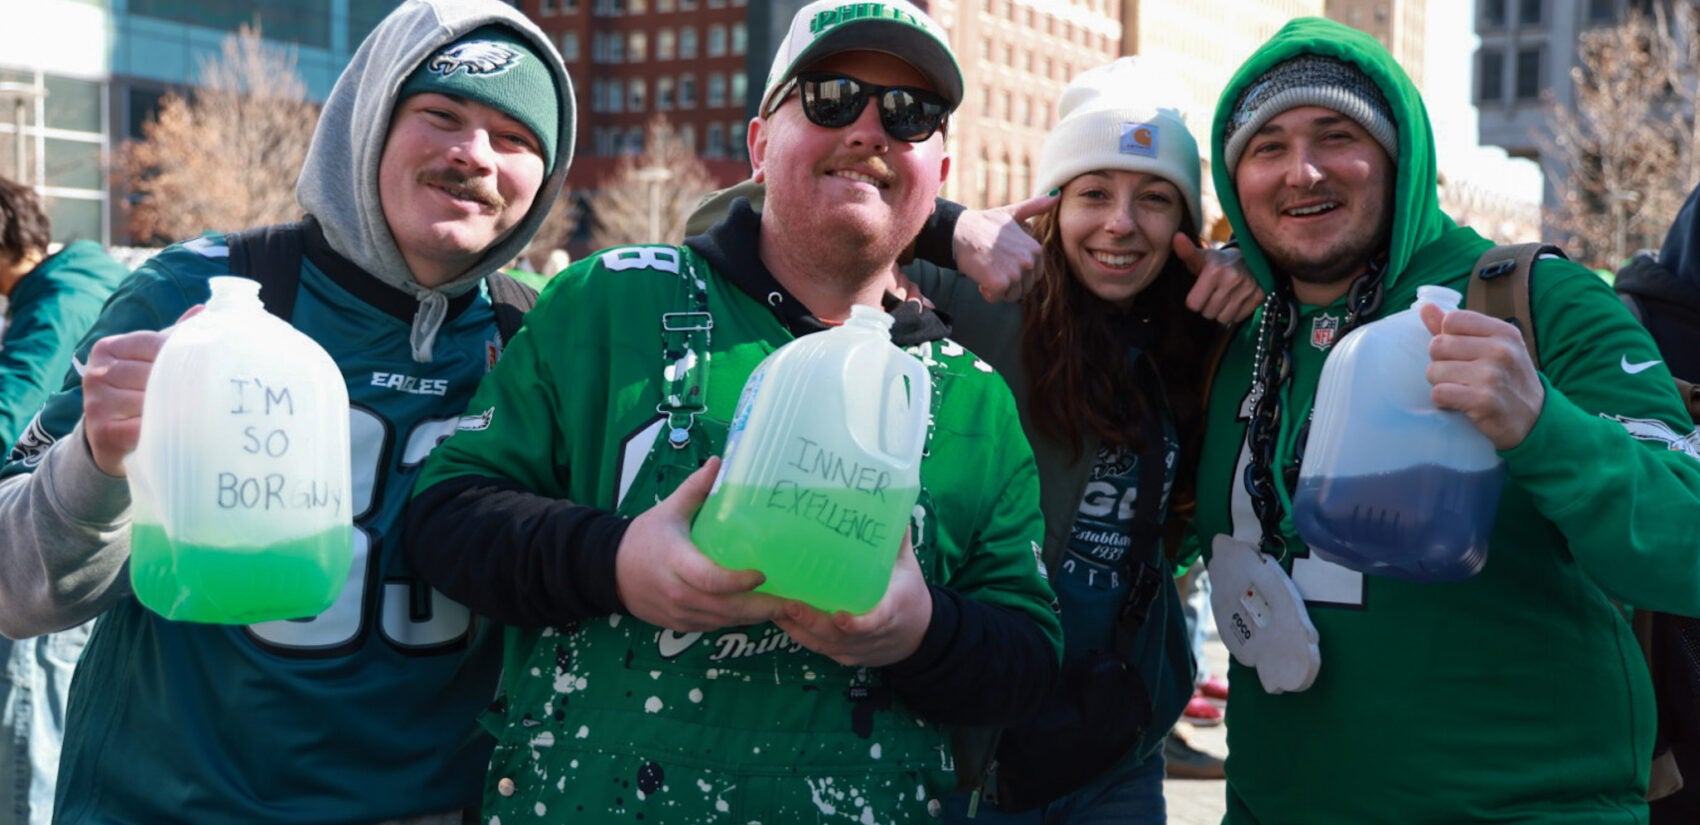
[822,466]
[240,481]
[1390,484]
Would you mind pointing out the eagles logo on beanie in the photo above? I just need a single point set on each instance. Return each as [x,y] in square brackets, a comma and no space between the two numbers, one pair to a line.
[495,66]
[1311,80]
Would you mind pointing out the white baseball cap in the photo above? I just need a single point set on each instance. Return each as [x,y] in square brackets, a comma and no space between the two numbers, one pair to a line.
[895,27]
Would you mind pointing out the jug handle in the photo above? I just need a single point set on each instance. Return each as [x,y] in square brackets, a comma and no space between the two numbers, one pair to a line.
[914,440]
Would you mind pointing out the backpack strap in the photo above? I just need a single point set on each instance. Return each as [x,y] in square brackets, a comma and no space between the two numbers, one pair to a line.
[272,256]
[511,300]
[1499,286]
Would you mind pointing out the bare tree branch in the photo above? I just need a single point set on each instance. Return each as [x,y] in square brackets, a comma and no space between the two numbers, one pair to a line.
[622,206]
[227,157]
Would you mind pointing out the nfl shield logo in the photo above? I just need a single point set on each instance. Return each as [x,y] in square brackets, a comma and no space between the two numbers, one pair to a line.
[1322,331]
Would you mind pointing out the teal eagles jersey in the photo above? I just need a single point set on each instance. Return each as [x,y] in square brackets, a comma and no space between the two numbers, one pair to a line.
[363,713]
[613,717]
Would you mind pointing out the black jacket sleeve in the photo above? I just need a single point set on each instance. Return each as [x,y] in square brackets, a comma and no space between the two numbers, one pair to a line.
[978,664]
[936,243]
[517,557]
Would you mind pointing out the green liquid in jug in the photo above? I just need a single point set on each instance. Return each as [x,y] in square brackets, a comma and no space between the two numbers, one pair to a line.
[830,547]
[238,585]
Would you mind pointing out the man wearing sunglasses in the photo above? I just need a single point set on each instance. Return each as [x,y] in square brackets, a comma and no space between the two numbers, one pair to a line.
[642,681]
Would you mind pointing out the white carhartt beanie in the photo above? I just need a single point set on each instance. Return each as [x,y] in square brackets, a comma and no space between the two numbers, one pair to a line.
[1105,121]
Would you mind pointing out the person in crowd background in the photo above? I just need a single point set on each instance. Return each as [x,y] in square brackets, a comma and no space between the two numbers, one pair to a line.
[563,501]
[1114,438]
[1326,168]
[438,153]
[51,299]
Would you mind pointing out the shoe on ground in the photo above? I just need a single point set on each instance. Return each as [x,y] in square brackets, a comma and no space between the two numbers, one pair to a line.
[1183,761]
[1201,712]
[1214,688]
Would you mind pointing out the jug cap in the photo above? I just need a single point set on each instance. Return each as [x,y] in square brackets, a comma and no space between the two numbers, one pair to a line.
[862,315]
[228,290]
[1446,298]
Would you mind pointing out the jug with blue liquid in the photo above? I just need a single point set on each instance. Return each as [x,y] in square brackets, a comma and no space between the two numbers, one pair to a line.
[1390,484]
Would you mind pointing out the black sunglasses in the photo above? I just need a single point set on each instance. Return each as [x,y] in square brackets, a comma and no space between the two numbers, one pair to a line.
[834,101]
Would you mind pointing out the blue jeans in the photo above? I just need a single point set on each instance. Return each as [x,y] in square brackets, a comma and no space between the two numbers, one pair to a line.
[1126,796]
[32,721]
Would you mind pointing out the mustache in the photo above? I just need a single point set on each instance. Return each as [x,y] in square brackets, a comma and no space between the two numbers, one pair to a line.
[875,165]
[464,185]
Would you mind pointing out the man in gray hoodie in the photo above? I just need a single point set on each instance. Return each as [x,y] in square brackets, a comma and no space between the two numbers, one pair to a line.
[439,152]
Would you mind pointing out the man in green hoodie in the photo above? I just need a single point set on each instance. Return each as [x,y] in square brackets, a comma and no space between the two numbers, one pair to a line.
[1518,694]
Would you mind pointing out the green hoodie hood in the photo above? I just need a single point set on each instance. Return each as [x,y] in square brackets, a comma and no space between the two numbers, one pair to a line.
[1417,219]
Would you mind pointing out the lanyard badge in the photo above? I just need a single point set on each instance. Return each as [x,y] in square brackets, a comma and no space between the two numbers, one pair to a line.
[1262,617]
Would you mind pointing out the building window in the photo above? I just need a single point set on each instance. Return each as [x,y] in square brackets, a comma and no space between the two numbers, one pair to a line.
[687,43]
[637,45]
[664,44]
[740,38]
[687,5]
[616,101]
[1529,74]
[569,46]
[634,142]
[569,6]
[716,90]
[664,5]
[545,8]
[1490,75]
[739,141]
[1529,12]
[688,138]
[635,94]
[716,147]
[1602,11]
[637,6]
[716,40]
[616,48]
[664,93]
[740,88]
[687,91]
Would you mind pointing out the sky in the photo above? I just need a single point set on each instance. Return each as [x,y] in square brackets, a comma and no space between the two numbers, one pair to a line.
[1449,63]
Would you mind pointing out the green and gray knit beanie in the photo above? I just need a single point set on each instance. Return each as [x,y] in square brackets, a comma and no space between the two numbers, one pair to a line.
[1310,80]
[495,66]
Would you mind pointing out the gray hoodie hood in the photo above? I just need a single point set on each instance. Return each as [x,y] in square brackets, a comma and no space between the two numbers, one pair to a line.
[339,180]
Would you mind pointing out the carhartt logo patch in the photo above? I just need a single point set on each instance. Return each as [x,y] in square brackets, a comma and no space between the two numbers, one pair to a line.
[1139,139]
[476,57]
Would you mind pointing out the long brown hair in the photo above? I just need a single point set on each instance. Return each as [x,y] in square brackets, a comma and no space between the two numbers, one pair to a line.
[1079,379]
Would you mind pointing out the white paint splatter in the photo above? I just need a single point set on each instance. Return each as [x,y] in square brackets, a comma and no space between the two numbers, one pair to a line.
[696,695]
[545,739]
[584,732]
[652,704]
[654,674]
[703,785]
[541,809]
[874,752]
[537,671]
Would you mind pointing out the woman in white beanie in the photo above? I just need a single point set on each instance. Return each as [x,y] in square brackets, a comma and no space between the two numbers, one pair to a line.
[1108,365]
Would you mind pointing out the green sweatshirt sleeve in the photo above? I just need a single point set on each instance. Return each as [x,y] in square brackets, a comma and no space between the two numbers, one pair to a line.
[1612,460]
